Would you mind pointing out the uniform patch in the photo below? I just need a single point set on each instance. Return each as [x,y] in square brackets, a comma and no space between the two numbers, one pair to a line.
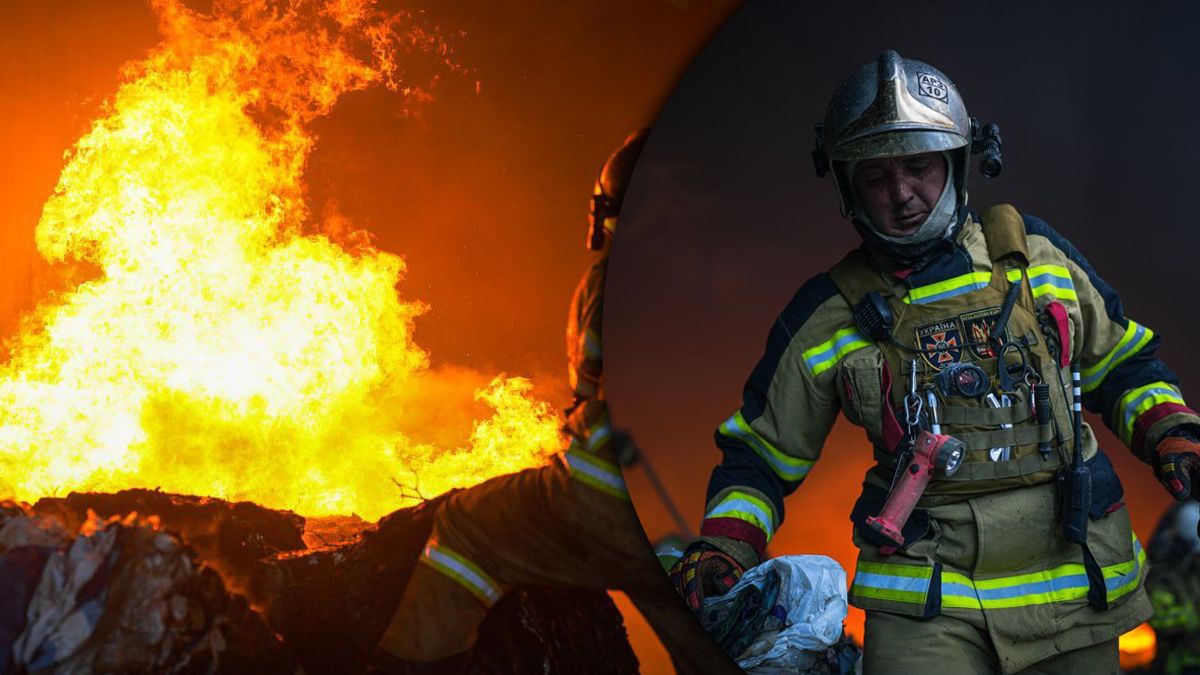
[933,87]
[940,343]
[977,327]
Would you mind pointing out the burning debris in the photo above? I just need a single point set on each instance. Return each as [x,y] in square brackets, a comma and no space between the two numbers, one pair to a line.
[229,342]
[123,593]
[120,596]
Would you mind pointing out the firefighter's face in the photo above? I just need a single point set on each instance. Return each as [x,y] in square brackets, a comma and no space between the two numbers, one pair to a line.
[898,193]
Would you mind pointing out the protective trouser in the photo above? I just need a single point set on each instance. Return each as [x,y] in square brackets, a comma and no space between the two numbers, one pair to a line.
[568,524]
[903,645]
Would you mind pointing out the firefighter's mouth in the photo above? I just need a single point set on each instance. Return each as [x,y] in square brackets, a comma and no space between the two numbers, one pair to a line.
[910,222]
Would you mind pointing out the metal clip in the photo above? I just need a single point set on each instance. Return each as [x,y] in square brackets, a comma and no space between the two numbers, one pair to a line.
[1002,453]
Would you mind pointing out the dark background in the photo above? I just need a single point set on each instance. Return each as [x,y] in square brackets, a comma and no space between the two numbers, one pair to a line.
[1098,107]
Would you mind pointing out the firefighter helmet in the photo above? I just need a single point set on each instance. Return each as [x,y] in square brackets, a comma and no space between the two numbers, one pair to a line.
[1175,539]
[894,107]
[609,190]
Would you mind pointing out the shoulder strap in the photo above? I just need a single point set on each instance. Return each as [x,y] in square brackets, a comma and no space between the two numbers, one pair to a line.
[854,277]
[1004,232]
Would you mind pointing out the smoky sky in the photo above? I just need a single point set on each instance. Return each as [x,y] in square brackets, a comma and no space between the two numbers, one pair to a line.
[726,218]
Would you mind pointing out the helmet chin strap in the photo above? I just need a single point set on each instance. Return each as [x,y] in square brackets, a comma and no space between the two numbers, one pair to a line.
[938,225]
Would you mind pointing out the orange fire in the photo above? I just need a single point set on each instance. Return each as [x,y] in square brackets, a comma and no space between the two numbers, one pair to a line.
[1138,647]
[229,343]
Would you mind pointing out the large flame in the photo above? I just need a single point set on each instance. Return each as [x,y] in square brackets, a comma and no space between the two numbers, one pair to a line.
[226,344]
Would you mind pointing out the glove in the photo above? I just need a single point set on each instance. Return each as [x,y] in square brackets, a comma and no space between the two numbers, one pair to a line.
[1178,465]
[703,571]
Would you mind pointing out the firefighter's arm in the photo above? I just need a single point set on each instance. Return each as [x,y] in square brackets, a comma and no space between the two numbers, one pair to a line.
[585,365]
[769,444]
[1122,378]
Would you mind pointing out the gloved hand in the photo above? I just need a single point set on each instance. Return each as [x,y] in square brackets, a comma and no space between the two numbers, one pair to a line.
[1178,465]
[704,570]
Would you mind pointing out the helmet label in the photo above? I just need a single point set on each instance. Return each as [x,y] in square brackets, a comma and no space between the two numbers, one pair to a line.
[933,87]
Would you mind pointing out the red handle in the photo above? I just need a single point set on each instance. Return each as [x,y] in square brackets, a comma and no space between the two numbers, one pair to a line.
[910,485]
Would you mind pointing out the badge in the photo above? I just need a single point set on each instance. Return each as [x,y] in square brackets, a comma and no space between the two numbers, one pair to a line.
[932,86]
[940,343]
[977,327]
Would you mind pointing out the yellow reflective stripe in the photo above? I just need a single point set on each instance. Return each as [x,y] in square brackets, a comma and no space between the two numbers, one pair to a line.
[1121,578]
[599,434]
[597,473]
[786,467]
[1136,336]
[1062,583]
[1065,582]
[826,355]
[963,283]
[1136,402]
[591,345]
[466,573]
[895,583]
[1052,280]
[748,508]
[958,591]
[1013,275]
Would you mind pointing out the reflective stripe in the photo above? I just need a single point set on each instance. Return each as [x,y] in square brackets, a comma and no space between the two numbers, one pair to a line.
[1065,582]
[599,434]
[958,591]
[591,345]
[1136,402]
[1122,578]
[1062,583]
[1136,336]
[1052,280]
[591,470]
[826,355]
[897,583]
[786,467]
[466,573]
[963,283]
[748,508]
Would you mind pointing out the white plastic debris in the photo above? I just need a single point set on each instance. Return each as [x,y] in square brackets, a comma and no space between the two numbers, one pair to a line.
[813,595]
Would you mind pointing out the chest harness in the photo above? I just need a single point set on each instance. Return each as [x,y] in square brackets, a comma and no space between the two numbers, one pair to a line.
[986,404]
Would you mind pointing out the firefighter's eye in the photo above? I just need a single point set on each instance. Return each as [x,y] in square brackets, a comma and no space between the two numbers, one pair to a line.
[874,178]
[918,166]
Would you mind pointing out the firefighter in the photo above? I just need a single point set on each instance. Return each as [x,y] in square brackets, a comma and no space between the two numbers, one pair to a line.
[1174,587]
[948,322]
[568,524]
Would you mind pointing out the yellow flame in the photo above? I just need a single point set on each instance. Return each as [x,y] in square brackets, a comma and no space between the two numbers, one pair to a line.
[219,349]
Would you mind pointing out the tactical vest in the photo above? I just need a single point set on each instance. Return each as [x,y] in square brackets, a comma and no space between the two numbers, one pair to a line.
[946,327]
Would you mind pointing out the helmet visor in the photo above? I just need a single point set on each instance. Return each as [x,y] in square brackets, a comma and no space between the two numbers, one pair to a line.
[897,143]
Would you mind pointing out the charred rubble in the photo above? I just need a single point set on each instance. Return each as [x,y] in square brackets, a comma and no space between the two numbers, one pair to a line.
[145,581]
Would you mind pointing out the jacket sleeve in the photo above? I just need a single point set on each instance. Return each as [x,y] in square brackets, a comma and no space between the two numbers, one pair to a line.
[1137,395]
[788,406]
[585,360]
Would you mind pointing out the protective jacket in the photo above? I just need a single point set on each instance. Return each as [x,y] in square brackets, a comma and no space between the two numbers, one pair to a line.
[1174,587]
[985,544]
[567,524]
[587,421]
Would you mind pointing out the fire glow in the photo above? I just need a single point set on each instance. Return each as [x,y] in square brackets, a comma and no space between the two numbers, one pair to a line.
[228,342]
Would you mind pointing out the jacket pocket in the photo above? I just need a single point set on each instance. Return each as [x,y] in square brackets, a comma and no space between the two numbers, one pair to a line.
[1107,490]
[865,396]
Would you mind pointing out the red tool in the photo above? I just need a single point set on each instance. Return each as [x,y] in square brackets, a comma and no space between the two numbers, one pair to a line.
[931,451]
